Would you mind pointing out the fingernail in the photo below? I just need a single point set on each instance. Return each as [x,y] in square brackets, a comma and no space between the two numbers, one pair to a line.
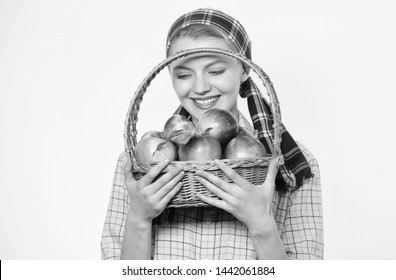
[179,168]
[280,160]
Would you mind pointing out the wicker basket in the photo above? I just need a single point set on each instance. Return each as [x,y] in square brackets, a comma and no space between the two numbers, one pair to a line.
[254,170]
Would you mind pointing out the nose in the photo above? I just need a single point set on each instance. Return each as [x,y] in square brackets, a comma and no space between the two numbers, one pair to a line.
[201,85]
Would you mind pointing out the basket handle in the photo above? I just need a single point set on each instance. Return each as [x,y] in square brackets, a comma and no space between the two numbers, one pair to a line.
[130,131]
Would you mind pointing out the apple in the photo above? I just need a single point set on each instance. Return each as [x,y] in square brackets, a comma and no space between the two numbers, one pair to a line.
[153,133]
[200,148]
[243,131]
[178,129]
[220,124]
[244,146]
[155,149]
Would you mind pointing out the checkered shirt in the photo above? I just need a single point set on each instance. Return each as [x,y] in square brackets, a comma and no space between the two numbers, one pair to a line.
[211,233]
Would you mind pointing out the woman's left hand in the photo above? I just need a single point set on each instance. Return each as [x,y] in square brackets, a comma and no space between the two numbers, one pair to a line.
[250,204]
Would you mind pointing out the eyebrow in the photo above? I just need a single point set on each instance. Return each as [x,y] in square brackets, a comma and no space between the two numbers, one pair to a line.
[217,60]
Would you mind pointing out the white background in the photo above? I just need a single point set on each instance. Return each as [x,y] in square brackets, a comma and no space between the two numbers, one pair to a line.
[68,70]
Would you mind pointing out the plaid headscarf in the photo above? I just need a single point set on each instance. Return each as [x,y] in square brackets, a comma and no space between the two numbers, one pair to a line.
[296,167]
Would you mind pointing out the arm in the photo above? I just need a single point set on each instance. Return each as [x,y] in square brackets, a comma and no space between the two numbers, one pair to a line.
[302,232]
[250,204]
[267,242]
[148,198]
[113,229]
[133,204]
[137,238]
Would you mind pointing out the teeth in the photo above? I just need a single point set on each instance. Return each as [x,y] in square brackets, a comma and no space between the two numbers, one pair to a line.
[206,101]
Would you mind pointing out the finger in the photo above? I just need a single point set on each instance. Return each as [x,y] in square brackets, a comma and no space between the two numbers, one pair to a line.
[165,178]
[273,169]
[214,202]
[162,186]
[235,177]
[171,194]
[220,183]
[214,189]
[128,170]
[153,173]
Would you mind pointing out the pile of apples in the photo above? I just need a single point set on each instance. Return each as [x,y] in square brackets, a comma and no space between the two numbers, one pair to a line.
[217,136]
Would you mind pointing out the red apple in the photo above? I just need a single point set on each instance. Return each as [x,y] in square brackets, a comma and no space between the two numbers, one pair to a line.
[153,133]
[243,131]
[200,148]
[154,149]
[220,124]
[178,129]
[244,146]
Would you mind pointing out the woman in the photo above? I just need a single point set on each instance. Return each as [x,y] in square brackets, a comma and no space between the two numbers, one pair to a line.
[250,222]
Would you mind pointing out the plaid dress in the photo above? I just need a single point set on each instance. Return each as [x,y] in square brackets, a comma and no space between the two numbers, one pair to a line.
[211,233]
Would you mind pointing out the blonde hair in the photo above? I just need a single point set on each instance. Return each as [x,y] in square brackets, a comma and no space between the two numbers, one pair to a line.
[202,31]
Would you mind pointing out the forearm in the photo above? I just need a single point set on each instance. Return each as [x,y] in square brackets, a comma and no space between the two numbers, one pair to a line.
[267,241]
[136,244]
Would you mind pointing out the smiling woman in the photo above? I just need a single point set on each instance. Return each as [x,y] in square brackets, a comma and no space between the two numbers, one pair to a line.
[204,82]
[278,219]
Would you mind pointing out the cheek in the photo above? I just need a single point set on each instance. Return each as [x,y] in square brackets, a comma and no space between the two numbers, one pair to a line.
[228,85]
[181,88]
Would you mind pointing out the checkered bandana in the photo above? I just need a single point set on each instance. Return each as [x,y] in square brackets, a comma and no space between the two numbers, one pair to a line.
[296,167]
[235,31]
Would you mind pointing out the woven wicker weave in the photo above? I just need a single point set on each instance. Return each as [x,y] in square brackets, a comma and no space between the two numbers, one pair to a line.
[254,170]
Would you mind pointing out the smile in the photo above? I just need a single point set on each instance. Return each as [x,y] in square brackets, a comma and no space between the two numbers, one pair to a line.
[206,102]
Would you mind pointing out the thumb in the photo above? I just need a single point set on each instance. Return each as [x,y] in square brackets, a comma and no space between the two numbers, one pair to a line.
[128,170]
[273,169]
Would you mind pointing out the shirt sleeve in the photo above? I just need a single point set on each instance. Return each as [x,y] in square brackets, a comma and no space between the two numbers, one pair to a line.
[302,234]
[113,229]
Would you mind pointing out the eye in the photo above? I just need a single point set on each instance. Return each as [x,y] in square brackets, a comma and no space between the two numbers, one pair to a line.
[216,72]
[182,76]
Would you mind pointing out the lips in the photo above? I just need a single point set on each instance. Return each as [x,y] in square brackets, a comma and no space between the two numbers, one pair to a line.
[206,102]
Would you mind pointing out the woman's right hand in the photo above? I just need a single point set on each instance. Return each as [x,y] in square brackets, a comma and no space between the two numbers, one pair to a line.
[147,198]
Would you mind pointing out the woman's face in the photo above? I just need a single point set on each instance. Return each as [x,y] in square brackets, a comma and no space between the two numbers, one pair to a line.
[205,81]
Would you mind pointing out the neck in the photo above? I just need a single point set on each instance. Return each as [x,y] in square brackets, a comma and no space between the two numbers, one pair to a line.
[235,112]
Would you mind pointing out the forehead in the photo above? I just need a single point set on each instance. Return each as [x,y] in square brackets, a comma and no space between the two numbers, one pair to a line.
[186,43]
